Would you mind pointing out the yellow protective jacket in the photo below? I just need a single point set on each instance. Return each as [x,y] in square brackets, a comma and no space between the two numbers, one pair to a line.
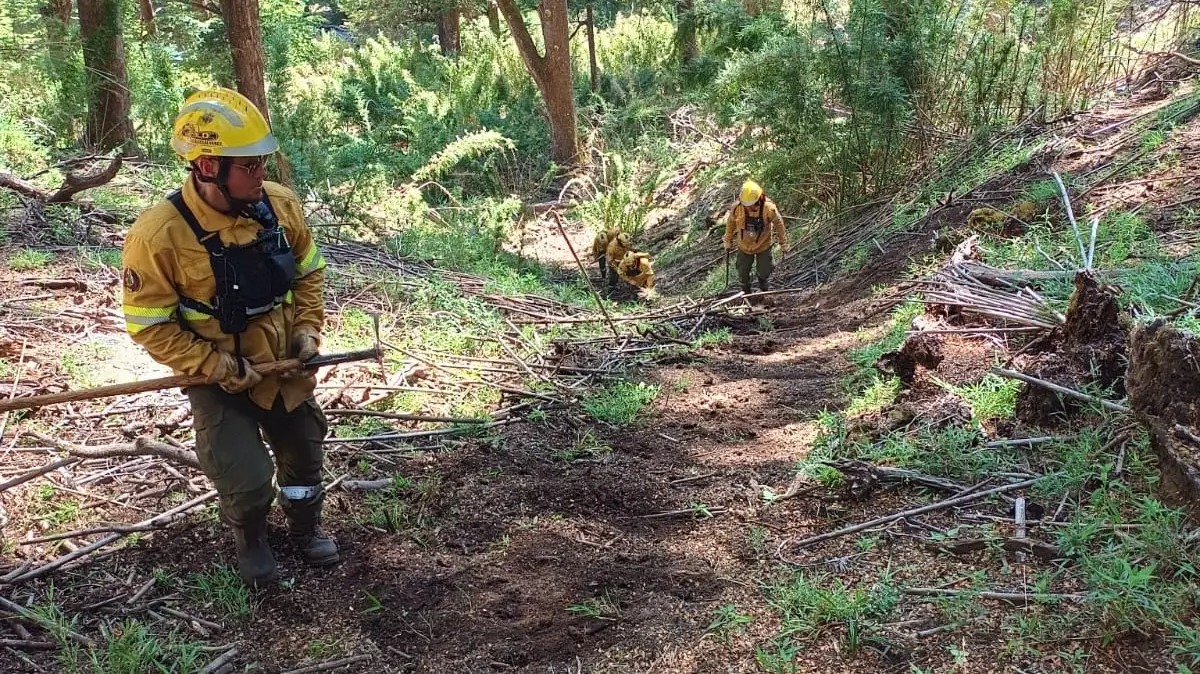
[600,243]
[616,250]
[773,230]
[163,260]
[637,270]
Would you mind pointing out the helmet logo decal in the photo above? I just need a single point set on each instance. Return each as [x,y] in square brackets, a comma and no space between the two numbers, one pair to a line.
[199,137]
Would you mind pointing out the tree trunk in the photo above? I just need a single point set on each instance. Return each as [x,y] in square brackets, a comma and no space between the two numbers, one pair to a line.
[146,13]
[493,15]
[56,17]
[552,73]
[448,30]
[685,33]
[61,9]
[244,30]
[593,67]
[245,42]
[108,124]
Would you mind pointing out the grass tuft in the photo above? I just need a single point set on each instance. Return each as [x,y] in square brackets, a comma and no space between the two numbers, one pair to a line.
[620,403]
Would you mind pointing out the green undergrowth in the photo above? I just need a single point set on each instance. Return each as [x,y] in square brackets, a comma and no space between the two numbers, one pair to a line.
[127,646]
[1134,559]
[1128,254]
[813,606]
[621,402]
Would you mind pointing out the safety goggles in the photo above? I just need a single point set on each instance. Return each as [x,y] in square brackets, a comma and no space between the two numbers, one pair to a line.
[250,165]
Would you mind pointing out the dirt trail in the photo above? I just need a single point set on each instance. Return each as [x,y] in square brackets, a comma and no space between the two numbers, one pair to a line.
[524,537]
[508,534]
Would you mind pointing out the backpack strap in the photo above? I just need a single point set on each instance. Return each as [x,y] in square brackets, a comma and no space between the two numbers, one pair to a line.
[210,240]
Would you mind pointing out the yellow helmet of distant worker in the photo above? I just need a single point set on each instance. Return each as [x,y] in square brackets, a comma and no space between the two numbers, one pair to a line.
[751,193]
[221,122]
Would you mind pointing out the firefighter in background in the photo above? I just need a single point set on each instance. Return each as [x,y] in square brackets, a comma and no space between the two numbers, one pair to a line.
[637,270]
[609,248]
[754,226]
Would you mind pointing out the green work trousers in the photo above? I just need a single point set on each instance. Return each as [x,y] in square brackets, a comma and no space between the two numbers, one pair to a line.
[231,450]
[765,265]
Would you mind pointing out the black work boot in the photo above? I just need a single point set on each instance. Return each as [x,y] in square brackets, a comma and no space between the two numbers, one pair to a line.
[762,284]
[256,565]
[746,288]
[304,527]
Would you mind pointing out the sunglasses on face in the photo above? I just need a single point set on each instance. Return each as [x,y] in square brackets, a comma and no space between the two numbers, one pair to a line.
[251,165]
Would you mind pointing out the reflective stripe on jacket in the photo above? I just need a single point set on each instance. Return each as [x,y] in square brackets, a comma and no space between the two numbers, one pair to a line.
[163,260]
[773,230]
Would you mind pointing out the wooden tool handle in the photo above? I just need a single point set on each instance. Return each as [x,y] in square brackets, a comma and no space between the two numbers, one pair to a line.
[179,380]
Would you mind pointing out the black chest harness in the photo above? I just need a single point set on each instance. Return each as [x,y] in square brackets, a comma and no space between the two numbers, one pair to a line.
[251,279]
[755,224]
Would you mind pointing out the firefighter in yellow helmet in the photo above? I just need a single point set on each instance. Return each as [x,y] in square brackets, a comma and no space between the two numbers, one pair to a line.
[637,270]
[600,249]
[754,226]
[221,275]
[609,248]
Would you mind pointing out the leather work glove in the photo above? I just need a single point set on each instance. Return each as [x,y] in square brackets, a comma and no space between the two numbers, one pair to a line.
[306,343]
[225,374]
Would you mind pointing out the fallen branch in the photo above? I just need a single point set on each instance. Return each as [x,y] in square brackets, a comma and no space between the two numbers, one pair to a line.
[36,472]
[1079,395]
[110,529]
[57,284]
[40,571]
[871,472]
[1026,442]
[1038,549]
[950,627]
[1083,257]
[1183,433]
[583,271]
[13,607]
[367,485]
[332,664]
[710,512]
[220,662]
[932,507]
[392,437]
[405,417]
[73,183]
[28,644]
[1000,596]
[142,446]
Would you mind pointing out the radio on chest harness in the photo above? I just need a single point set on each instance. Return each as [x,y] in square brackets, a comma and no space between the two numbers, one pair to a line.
[251,279]
[754,224]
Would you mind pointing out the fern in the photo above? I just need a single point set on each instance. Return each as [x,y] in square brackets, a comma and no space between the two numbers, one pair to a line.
[466,147]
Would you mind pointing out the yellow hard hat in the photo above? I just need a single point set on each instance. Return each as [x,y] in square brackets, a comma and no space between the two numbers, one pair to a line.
[221,122]
[751,193]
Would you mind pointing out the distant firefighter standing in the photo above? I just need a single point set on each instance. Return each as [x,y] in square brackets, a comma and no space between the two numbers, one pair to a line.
[756,226]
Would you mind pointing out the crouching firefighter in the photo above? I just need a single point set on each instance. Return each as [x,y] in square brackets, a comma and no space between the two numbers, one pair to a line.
[637,270]
[756,225]
[222,274]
